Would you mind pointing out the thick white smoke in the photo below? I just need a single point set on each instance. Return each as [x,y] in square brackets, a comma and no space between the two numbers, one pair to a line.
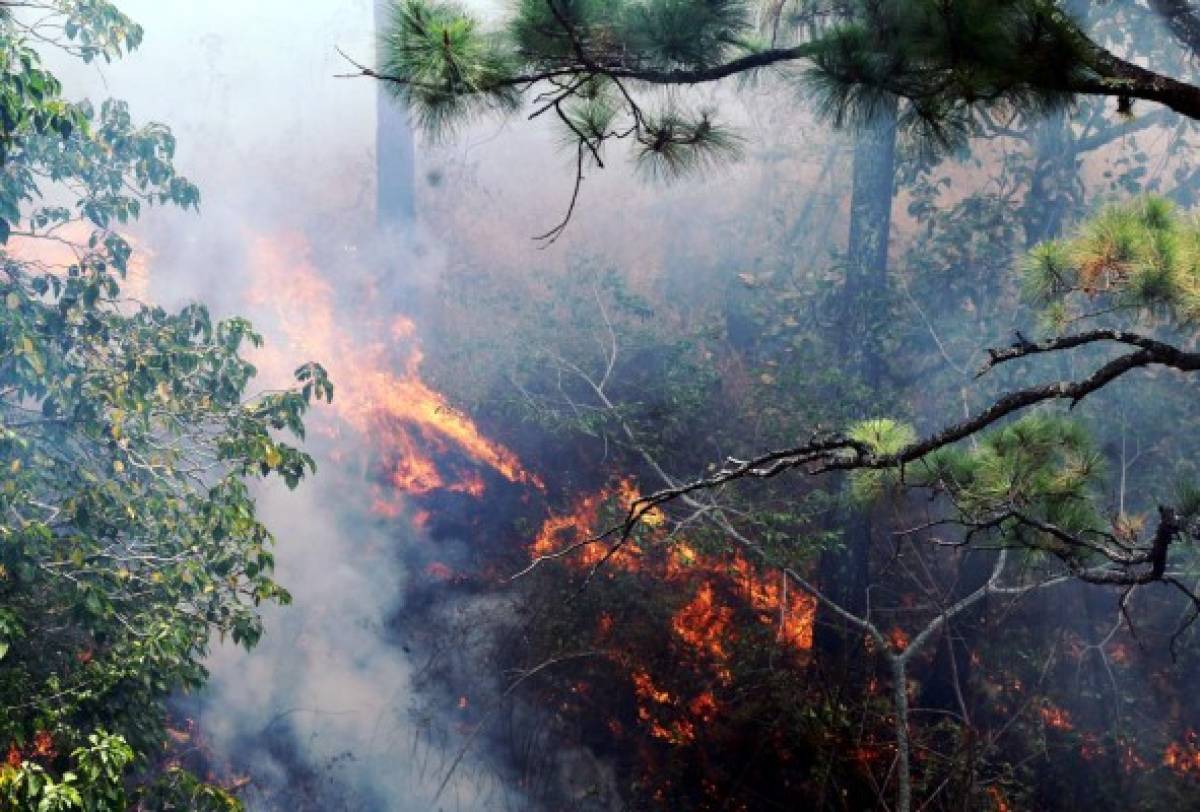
[319,715]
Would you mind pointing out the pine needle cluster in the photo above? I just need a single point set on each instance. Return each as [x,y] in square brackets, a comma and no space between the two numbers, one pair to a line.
[883,436]
[675,144]
[1141,257]
[1043,467]
[447,68]
[948,60]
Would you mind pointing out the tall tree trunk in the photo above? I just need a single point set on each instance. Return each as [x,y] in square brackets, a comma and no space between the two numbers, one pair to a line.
[395,153]
[1055,190]
[866,291]
[863,308]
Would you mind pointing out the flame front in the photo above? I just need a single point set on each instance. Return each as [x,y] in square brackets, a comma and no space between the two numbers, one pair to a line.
[423,445]
[716,588]
[380,391]
[704,623]
[560,532]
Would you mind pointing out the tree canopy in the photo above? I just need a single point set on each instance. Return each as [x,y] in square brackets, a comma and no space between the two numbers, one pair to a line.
[591,63]
[129,440]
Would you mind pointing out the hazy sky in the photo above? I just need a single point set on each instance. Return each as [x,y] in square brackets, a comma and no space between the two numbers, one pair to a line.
[250,90]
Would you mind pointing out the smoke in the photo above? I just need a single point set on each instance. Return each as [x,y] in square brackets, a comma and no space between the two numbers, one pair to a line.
[321,715]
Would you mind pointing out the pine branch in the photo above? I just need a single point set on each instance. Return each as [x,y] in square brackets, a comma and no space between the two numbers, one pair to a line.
[836,452]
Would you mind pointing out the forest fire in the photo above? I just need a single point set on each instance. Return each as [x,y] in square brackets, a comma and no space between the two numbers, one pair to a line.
[704,707]
[781,355]
[40,749]
[412,425]
[644,687]
[654,704]
[648,696]
[1056,718]
[423,446]
[1183,758]
[703,624]
[559,532]
[793,610]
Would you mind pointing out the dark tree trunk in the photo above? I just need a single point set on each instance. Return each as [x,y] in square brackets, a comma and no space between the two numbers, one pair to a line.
[866,291]
[1055,190]
[846,573]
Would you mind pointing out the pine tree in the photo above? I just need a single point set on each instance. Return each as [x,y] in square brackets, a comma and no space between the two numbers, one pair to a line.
[591,63]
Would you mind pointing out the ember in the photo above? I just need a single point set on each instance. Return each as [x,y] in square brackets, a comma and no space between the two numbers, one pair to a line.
[1056,718]
[704,707]
[43,744]
[1183,758]
[1000,803]
[439,571]
[644,687]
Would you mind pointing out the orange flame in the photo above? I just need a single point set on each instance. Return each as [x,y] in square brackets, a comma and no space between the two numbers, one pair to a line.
[645,689]
[43,744]
[1056,718]
[1183,758]
[704,707]
[559,532]
[898,638]
[42,747]
[404,417]
[1000,803]
[703,625]
[794,611]
[470,484]
[605,625]
[678,731]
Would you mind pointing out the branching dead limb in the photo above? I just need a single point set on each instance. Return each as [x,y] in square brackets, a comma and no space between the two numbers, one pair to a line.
[1123,563]
[837,452]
